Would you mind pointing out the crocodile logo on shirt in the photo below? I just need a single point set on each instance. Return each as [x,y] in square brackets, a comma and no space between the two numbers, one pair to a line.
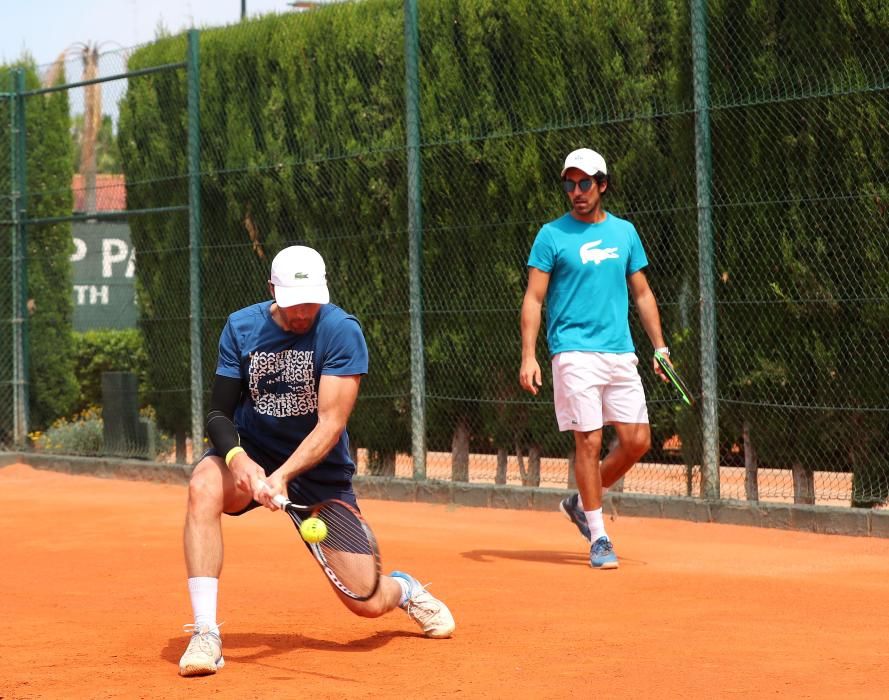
[274,383]
[282,384]
[590,253]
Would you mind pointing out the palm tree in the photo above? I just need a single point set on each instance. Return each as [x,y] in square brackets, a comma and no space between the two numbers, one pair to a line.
[92,113]
[92,120]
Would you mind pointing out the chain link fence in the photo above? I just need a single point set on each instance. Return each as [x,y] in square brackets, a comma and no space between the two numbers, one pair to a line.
[7,238]
[801,241]
[305,136]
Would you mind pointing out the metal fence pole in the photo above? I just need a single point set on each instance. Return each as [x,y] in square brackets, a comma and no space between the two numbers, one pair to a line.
[704,182]
[194,242]
[19,263]
[415,234]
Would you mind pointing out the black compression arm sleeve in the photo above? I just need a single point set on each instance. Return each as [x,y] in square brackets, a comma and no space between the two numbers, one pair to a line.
[223,399]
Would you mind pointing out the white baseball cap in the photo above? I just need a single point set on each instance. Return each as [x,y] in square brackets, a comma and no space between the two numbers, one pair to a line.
[299,277]
[586,160]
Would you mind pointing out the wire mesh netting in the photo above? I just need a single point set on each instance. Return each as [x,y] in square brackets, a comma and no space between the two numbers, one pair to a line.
[7,375]
[801,236]
[304,138]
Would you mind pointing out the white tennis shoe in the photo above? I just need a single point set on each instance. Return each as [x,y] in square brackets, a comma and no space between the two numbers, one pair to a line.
[203,656]
[427,611]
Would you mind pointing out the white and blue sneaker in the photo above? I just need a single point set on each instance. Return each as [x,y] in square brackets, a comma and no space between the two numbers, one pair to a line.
[203,656]
[602,554]
[430,613]
[575,514]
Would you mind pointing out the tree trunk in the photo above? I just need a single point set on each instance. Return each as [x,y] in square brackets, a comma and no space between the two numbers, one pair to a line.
[92,120]
[531,477]
[353,453]
[460,452]
[502,461]
[803,484]
[380,463]
[751,465]
[181,448]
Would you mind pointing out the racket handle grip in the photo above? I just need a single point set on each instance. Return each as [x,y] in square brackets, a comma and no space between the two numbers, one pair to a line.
[280,500]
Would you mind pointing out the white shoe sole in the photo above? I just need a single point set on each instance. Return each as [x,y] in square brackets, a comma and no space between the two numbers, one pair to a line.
[441,634]
[196,670]
[605,567]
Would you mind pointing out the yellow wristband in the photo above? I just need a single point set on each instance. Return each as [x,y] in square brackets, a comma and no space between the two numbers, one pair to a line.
[231,454]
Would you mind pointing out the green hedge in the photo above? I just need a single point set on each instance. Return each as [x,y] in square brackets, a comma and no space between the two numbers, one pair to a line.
[98,351]
[303,140]
[49,168]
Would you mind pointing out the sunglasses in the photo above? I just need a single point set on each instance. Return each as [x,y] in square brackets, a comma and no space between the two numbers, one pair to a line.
[585,185]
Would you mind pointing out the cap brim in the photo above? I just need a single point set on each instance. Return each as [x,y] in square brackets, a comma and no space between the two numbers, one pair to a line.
[575,167]
[291,296]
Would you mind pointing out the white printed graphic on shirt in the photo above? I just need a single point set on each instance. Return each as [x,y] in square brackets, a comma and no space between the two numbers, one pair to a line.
[282,384]
[590,253]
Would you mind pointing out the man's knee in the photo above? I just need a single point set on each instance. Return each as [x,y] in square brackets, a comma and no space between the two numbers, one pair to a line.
[205,487]
[588,443]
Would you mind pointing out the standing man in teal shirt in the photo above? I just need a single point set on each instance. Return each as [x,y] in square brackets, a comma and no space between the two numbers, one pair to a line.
[585,265]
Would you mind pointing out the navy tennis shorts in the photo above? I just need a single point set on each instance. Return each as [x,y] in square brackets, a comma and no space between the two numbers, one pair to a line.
[314,486]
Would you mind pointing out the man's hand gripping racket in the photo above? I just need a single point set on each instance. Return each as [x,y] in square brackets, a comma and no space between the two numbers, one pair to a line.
[671,374]
[344,546]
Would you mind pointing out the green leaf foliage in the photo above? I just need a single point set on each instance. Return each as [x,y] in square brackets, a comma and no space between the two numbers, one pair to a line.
[109,350]
[49,167]
[303,141]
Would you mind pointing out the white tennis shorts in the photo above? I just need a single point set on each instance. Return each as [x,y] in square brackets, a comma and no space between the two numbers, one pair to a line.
[592,389]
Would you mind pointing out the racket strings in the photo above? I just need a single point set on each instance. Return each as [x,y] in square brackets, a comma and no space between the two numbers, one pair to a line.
[345,532]
[348,549]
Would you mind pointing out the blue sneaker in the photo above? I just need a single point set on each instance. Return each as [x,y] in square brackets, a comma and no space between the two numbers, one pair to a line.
[602,554]
[573,512]
[430,613]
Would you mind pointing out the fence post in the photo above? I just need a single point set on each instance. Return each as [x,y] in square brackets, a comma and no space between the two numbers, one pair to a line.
[704,182]
[194,242]
[415,236]
[19,262]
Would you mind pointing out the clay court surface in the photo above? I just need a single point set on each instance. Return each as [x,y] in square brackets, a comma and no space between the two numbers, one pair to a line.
[94,598]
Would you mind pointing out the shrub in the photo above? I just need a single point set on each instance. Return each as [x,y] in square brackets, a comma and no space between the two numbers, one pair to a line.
[98,351]
[80,435]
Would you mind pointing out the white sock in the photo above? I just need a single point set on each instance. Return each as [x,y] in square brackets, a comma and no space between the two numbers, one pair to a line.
[405,590]
[596,522]
[203,591]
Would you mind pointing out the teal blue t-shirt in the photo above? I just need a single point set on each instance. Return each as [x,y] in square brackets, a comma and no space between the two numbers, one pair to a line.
[587,301]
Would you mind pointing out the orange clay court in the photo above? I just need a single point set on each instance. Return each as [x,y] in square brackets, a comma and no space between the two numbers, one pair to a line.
[94,598]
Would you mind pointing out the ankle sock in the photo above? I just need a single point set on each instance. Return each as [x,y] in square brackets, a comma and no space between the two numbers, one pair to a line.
[204,591]
[596,524]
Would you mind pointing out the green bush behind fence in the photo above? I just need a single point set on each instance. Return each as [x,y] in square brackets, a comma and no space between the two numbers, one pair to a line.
[303,138]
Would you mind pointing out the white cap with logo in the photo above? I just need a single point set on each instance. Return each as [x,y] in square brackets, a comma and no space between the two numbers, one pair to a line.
[586,160]
[299,276]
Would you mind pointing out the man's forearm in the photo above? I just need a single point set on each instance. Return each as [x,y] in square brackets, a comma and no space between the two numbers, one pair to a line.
[530,327]
[651,319]
[312,450]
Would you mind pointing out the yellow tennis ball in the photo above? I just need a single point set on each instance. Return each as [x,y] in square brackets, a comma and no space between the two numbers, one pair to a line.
[313,530]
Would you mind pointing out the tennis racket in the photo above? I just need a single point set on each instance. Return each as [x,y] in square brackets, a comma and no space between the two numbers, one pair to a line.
[348,554]
[675,379]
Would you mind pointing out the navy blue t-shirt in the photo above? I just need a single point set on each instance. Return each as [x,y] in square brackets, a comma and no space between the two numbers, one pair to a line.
[280,373]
